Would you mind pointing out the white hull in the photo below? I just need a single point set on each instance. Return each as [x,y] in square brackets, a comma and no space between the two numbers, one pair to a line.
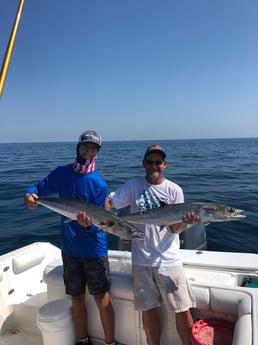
[32,276]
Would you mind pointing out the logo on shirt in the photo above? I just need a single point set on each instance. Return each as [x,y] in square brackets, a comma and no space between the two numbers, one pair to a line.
[147,200]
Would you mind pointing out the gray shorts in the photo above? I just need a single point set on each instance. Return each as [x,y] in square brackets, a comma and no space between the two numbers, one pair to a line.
[156,285]
[79,272]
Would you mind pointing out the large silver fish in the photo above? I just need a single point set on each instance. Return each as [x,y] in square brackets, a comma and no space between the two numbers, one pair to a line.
[104,219]
[172,213]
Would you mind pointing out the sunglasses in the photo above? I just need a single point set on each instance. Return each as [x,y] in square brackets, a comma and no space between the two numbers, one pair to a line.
[150,162]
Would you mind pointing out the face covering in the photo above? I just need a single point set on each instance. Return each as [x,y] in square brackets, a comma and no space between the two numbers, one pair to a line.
[84,166]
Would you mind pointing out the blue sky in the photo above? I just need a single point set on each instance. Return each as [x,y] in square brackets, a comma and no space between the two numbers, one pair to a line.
[130,69]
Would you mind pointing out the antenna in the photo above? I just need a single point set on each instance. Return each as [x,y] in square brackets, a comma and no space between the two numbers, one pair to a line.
[9,49]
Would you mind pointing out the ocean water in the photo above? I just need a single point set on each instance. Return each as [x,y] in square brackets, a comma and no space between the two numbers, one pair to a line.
[217,170]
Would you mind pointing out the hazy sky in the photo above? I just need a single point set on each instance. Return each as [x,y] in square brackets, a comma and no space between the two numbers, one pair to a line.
[130,69]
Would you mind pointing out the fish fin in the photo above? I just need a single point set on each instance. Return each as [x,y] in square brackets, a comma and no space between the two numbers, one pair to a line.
[162,227]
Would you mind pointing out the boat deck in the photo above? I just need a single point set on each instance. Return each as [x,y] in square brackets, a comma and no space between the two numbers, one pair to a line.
[21,337]
[32,276]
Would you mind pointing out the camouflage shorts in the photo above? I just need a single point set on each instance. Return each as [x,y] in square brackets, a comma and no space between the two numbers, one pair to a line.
[81,272]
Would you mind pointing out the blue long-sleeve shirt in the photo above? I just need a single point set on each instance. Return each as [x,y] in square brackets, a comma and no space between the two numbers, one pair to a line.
[76,241]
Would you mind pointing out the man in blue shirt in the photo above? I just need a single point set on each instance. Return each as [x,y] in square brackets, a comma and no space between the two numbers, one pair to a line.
[83,245]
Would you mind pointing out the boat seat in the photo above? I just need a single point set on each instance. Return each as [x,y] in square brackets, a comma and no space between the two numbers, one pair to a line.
[53,277]
[223,300]
[25,261]
[228,302]
[21,281]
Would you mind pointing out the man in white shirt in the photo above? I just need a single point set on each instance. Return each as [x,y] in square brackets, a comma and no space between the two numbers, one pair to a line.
[158,274]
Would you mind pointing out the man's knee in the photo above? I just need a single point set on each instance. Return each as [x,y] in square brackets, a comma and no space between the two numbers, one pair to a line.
[102,300]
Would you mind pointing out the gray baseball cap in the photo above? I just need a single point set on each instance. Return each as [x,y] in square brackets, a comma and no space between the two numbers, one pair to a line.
[90,137]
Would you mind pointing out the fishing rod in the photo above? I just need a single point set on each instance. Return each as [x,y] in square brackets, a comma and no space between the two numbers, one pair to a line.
[9,49]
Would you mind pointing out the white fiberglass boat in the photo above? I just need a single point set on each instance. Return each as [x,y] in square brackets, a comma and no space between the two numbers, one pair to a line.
[31,280]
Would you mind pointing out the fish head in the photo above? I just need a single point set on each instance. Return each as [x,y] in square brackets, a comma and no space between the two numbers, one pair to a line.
[121,228]
[222,212]
[234,213]
[131,232]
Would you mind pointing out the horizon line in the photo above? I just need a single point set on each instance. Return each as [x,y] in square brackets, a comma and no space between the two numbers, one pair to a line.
[124,140]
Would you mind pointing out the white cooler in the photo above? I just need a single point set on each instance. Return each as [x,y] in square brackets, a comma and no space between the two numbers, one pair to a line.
[55,322]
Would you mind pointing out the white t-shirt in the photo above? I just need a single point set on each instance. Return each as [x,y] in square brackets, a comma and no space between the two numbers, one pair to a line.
[159,247]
